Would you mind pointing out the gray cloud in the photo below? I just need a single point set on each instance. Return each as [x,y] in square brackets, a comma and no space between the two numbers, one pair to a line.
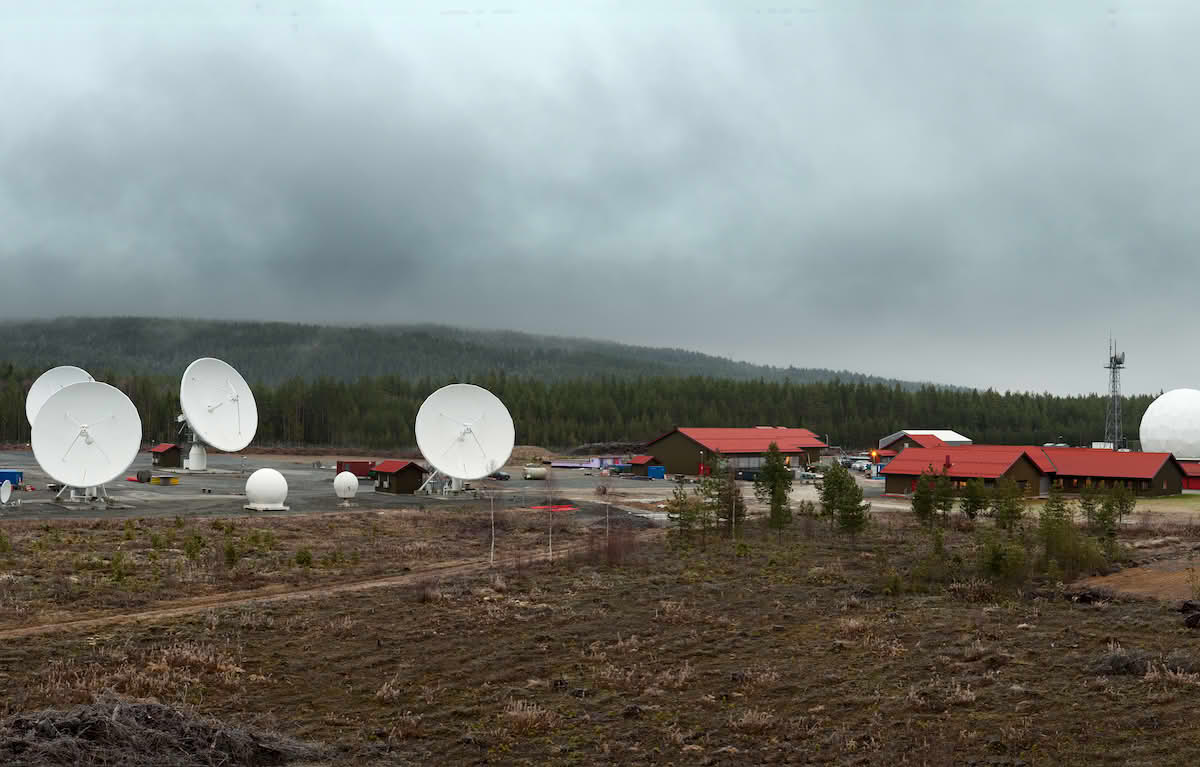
[975,194]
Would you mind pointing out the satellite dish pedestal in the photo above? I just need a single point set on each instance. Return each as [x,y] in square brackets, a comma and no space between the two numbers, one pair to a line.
[197,457]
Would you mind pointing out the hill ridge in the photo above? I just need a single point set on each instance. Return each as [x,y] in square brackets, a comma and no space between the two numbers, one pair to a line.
[272,352]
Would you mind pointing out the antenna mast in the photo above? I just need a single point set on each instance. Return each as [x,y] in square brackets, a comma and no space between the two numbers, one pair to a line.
[1112,421]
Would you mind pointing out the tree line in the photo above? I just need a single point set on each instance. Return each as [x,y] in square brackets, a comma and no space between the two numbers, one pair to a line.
[378,411]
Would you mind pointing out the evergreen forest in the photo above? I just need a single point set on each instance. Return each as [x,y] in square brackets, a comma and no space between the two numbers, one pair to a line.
[378,411]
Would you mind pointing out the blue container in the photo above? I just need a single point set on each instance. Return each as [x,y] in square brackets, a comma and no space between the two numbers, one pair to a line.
[15,476]
[656,472]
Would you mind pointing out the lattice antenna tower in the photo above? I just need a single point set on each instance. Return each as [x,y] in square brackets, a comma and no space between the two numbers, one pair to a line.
[1112,421]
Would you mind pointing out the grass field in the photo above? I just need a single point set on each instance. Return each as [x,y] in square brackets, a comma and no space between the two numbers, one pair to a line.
[810,649]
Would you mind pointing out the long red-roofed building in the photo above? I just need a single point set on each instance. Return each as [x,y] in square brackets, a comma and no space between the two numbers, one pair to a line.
[688,450]
[1036,469]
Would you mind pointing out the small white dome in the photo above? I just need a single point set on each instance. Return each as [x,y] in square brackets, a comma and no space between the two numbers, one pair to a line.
[1172,424]
[345,484]
[266,487]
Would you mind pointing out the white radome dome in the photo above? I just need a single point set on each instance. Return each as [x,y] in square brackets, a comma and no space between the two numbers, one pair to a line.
[266,487]
[345,485]
[1172,424]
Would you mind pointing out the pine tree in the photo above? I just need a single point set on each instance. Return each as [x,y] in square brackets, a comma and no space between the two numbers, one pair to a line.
[773,487]
[943,497]
[1007,504]
[842,501]
[923,499]
[975,498]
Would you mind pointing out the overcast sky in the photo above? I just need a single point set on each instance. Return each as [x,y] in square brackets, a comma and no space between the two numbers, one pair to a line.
[969,193]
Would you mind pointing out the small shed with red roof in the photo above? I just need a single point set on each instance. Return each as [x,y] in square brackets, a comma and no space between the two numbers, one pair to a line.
[641,464]
[687,450]
[167,455]
[400,477]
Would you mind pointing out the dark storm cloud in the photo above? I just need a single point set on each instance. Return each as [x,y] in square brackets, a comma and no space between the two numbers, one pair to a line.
[975,194]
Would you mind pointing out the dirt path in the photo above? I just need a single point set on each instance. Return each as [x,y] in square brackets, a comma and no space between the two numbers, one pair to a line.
[182,607]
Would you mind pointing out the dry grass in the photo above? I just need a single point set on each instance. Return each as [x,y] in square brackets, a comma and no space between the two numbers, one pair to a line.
[526,717]
[752,721]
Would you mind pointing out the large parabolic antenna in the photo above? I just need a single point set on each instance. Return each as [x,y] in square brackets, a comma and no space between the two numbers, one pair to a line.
[219,407]
[464,431]
[50,382]
[1171,424]
[86,434]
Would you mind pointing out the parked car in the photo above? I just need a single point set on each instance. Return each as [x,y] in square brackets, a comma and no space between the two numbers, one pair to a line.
[499,475]
[861,466]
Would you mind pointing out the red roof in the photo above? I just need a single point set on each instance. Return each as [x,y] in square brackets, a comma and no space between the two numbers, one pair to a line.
[1190,468]
[164,447]
[991,461]
[1091,462]
[393,466]
[752,440]
[982,461]
[640,460]
[925,440]
[885,453]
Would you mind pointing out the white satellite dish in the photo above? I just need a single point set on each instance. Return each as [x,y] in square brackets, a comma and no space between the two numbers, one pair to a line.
[464,431]
[5,492]
[50,382]
[219,407]
[85,435]
[345,485]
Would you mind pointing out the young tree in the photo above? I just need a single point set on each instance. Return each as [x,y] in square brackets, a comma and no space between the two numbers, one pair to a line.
[975,498]
[1007,504]
[774,487]
[1124,500]
[923,499]
[842,501]
[943,497]
[720,501]
[682,509]
[1053,520]
[1105,519]
[1089,502]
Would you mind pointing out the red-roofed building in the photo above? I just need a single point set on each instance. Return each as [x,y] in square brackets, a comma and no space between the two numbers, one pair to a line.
[1191,474]
[642,464]
[1144,473]
[962,463]
[892,445]
[401,477]
[1036,468]
[696,450]
[167,455]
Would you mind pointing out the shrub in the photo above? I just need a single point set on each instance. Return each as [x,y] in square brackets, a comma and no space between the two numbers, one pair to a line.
[304,558]
[193,545]
[231,554]
[156,541]
[119,567]
[5,543]
[1003,559]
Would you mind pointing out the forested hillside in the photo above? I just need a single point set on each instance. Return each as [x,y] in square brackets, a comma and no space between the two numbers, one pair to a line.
[274,352]
[378,412]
